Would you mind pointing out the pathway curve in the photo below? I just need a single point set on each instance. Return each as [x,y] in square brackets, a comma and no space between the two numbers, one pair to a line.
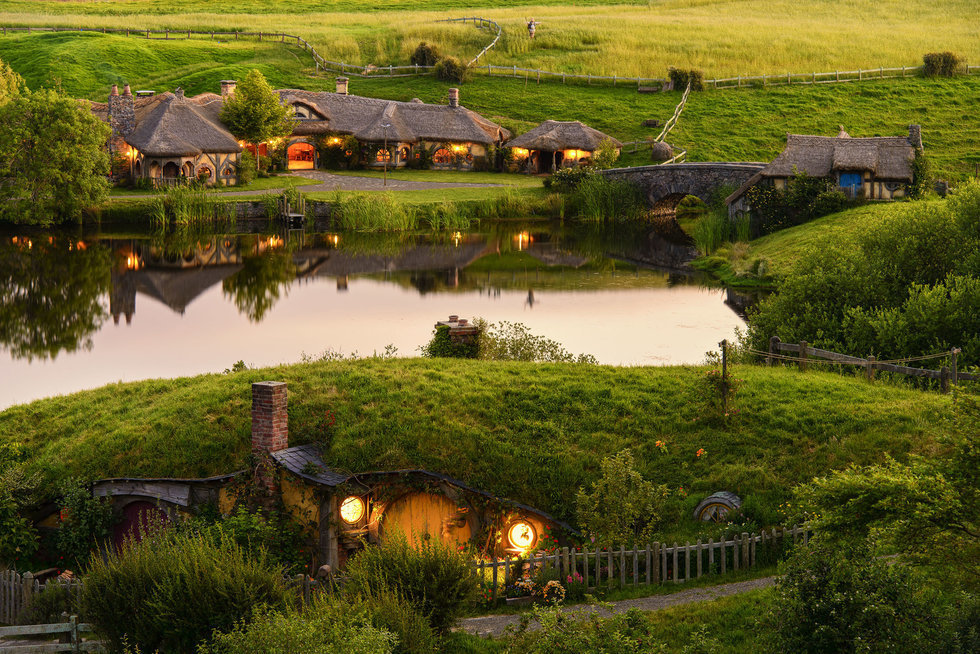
[324,181]
[495,625]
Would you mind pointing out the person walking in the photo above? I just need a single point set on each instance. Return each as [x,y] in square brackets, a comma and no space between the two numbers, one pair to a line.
[531,26]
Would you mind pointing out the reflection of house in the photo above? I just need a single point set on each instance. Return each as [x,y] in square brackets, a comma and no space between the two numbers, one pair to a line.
[341,509]
[876,168]
[558,144]
[168,137]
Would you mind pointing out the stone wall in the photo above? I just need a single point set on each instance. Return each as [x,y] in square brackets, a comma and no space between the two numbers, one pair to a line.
[698,179]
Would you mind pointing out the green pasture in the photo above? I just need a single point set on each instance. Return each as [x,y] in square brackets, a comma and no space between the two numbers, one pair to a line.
[531,432]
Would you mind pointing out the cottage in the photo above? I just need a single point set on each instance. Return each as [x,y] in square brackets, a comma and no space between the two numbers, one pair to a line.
[169,137]
[875,168]
[343,510]
[558,144]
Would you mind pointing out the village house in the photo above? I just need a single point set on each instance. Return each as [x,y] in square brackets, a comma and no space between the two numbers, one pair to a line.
[874,168]
[556,144]
[168,137]
[340,510]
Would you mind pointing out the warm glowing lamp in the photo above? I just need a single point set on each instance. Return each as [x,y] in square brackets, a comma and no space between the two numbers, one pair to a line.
[522,535]
[352,509]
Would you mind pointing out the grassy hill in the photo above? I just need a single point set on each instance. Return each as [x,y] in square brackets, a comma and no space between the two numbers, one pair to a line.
[534,433]
[724,37]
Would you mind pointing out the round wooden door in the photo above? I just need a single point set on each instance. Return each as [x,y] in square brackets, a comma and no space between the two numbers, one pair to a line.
[137,518]
[425,516]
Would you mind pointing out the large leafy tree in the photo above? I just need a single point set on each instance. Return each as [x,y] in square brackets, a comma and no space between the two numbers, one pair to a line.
[254,112]
[53,162]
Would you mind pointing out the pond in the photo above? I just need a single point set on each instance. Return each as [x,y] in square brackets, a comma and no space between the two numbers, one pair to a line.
[81,309]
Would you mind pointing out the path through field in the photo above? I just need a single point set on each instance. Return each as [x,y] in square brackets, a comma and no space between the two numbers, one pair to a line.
[495,625]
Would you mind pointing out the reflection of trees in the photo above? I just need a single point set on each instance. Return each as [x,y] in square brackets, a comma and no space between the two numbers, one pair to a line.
[50,292]
[256,287]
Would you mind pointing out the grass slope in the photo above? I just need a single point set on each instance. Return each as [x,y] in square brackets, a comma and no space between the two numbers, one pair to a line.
[534,433]
[723,37]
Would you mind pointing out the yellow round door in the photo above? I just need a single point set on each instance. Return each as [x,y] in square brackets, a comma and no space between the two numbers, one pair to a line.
[424,516]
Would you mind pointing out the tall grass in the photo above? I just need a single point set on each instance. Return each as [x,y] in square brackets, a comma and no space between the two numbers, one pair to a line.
[184,205]
[379,212]
[711,230]
[599,199]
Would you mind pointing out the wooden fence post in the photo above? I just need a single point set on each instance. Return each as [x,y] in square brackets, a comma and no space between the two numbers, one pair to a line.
[699,547]
[944,380]
[953,354]
[676,567]
[656,563]
[802,356]
[870,367]
[27,592]
[773,349]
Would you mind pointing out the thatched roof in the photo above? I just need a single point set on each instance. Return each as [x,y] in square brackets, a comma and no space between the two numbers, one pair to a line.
[887,157]
[556,135]
[409,122]
[175,126]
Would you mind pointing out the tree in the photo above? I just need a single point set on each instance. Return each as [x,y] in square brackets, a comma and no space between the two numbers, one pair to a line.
[11,84]
[254,112]
[621,507]
[53,161]
[928,509]
[605,155]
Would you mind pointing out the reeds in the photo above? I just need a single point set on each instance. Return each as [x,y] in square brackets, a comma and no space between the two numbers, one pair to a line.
[184,205]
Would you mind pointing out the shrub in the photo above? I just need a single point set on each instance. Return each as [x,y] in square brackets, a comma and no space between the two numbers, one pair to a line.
[840,600]
[598,199]
[246,168]
[585,633]
[441,345]
[171,590]
[86,523]
[47,606]
[328,627]
[605,155]
[680,79]
[921,176]
[391,612]
[620,507]
[277,535]
[451,69]
[513,341]
[18,538]
[425,55]
[940,64]
[566,180]
[433,577]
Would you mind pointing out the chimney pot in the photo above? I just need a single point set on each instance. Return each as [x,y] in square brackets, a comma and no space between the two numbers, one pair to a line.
[228,87]
[453,318]
[342,86]
[126,90]
[453,97]
[115,90]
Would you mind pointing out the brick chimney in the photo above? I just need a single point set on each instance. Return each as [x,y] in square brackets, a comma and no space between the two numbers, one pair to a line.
[228,87]
[270,427]
[453,98]
[341,86]
[915,136]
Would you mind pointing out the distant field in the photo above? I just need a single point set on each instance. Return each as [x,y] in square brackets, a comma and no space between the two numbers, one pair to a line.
[723,37]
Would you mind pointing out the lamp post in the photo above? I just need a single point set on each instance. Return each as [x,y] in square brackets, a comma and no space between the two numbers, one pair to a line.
[385,126]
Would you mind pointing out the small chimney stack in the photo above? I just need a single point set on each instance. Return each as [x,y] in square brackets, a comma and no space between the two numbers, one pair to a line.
[228,87]
[454,98]
[270,429]
[341,86]
[915,136]
[126,90]
[115,90]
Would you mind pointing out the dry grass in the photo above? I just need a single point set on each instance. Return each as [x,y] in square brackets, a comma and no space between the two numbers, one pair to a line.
[723,37]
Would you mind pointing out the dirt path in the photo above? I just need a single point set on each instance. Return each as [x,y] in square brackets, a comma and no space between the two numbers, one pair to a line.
[495,625]
[324,181]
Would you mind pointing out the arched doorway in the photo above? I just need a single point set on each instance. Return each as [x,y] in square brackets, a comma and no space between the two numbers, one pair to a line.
[425,516]
[137,518]
[301,156]
[138,169]
[154,169]
[188,170]
[171,170]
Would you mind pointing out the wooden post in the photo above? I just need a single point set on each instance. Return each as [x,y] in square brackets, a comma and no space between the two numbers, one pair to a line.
[711,555]
[698,550]
[944,380]
[724,376]
[773,349]
[649,563]
[802,356]
[870,367]
[609,563]
[953,355]
[724,555]
[27,592]
[676,569]
[585,566]
[493,593]
[622,566]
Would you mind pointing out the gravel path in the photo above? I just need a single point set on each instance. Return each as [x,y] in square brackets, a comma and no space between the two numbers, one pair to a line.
[324,181]
[495,625]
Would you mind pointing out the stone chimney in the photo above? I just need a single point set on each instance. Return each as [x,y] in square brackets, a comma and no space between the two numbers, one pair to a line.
[228,87]
[122,111]
[341,86]
[915,136]
[453,98]
[270,427]
[179,92]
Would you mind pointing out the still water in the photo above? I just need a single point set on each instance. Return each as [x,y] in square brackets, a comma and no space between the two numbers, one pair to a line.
[82,309]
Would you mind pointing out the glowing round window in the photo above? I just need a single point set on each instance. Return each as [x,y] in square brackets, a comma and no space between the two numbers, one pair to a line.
[522,535]
[352,509]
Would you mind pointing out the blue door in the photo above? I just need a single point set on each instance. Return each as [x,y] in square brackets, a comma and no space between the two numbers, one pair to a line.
[851,181]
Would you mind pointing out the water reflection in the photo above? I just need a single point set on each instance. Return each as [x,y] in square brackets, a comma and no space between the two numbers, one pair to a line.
[169,297]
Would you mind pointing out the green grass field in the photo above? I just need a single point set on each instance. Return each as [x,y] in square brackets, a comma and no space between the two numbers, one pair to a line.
[723,37]
[534,433]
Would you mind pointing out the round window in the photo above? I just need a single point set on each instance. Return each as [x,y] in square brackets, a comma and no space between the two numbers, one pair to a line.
[522,535]
[352,509]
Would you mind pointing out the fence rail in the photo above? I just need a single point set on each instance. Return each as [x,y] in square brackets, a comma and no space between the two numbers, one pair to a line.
[481,23]
[71,641]
[947,375]
[655,563]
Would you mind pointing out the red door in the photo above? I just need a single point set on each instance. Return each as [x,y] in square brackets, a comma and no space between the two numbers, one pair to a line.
[138,518]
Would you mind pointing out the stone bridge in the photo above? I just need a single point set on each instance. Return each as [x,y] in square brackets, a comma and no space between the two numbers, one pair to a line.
[666,185]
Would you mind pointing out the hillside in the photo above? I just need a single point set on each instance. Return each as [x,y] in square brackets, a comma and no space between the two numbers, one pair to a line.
[531,432]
